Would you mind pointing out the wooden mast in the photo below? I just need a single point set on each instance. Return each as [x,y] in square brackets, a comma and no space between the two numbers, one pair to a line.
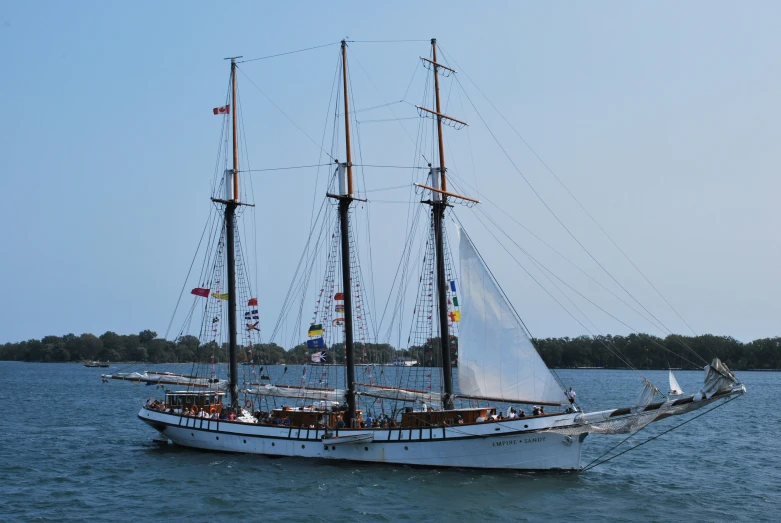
[345,199]
[232,201]
[438,206]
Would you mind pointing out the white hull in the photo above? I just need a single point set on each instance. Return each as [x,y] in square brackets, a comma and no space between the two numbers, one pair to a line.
[511,444]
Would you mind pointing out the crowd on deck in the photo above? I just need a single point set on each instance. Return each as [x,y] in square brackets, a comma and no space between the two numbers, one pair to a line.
[270,418]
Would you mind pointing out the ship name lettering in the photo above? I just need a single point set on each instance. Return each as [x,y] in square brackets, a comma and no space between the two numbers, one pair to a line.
[506,442]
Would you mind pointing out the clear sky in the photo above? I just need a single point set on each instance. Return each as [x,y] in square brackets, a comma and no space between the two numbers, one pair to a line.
[662,118]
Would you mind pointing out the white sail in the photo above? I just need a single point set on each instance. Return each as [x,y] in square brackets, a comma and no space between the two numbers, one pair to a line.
[496,357]
[675,389]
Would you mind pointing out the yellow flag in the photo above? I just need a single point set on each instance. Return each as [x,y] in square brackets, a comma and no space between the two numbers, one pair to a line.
[220,296]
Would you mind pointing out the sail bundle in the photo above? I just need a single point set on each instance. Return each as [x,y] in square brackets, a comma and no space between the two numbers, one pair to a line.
[497,359]
[401,394]
[719,383]
[282,391]
[168,378]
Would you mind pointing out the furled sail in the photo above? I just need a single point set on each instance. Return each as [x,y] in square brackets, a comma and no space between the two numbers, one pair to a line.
[496,357]
[718,378]
[287,391]
[167,378]
[401,394]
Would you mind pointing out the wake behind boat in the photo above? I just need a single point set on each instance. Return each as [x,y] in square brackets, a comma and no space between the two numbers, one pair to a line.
[460,314]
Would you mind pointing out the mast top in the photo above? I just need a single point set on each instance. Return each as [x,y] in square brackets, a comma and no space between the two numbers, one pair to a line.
[233,58]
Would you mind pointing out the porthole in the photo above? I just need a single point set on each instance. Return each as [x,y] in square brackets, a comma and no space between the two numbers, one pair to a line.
[218,437]
[526,426]
[333,447]
[192,434]
[406,447]
[245,441]
[272,443]
[303,446]
[365,448]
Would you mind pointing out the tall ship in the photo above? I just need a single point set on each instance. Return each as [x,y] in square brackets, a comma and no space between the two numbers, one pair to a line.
[470,390]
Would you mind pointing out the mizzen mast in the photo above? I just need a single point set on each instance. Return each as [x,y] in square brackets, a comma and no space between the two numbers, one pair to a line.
[345,175]
[230,220]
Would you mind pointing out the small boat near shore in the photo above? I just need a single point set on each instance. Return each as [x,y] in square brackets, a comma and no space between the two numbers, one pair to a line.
[96,364]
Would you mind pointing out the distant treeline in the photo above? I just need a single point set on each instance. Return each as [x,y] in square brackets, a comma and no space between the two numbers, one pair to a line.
[638,350]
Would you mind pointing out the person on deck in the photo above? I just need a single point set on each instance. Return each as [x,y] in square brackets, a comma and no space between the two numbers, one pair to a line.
[571,396]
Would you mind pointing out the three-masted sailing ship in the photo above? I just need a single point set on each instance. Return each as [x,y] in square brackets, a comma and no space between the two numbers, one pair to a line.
[464,426]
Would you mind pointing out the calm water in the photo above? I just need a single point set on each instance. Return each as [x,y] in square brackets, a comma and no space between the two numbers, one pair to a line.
[71,448]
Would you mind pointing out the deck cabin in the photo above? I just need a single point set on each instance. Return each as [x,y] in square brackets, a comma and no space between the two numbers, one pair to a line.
[436,418]
[313,417]
[208,401]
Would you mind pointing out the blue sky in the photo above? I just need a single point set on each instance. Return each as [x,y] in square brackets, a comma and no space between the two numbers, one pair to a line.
[661,118]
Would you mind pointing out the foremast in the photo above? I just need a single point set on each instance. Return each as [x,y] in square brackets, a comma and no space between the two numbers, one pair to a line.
[438,205]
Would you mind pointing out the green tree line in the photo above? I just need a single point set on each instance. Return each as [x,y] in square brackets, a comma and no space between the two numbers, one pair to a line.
[638,350]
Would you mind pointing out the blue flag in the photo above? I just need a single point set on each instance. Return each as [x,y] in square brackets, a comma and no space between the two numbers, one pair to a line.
[315,343]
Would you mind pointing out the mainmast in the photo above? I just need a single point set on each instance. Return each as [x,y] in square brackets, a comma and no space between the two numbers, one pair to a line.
[438,212]
[345,199]
[231,202]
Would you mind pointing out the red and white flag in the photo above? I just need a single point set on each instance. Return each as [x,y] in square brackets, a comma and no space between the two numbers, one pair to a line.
[223,110]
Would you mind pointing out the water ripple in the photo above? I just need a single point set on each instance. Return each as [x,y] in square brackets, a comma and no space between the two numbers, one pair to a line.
[97,462]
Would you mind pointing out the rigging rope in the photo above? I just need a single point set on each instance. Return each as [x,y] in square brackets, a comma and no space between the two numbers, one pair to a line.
[578,202]
[184,285]
[594,464]
[284,168]
[559,254]
[383,41]
[287,53]
[283,112]
[570,232]
[582,296]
